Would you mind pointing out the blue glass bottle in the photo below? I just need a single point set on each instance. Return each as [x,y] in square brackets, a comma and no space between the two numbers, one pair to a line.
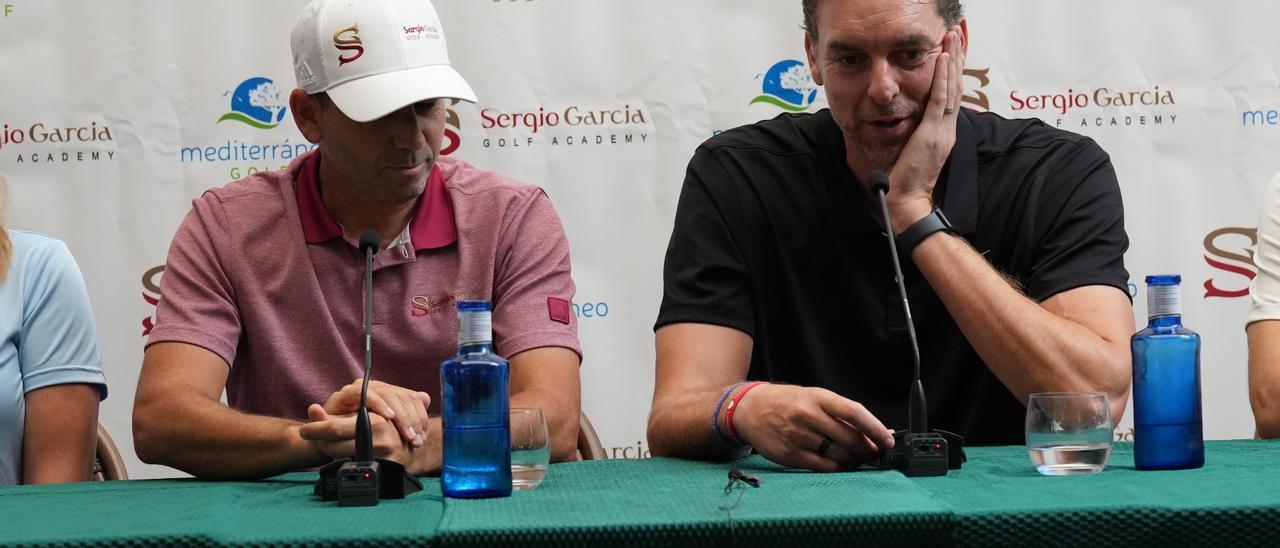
[1167,426]
[475,411]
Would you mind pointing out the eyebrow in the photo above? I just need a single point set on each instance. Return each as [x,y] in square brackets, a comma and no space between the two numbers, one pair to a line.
[913,40]
[909,41]
[839,46]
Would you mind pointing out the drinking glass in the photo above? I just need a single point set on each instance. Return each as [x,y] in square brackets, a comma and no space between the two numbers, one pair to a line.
[1069,433]
[530,453]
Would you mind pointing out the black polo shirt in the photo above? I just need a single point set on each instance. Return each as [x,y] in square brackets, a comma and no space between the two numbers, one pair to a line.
[775,237]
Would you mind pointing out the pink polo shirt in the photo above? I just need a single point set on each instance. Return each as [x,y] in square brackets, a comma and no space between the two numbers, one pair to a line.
[259,274]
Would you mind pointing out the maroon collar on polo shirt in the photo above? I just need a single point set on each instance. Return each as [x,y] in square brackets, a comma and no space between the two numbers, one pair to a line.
[432,225]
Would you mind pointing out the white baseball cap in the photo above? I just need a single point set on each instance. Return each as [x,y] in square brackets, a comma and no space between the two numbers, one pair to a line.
[374,57]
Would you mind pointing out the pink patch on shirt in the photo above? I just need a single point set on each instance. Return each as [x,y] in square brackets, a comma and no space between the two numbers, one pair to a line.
[558,309]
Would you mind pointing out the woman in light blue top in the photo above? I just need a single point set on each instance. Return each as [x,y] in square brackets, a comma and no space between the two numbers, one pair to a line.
[50,373]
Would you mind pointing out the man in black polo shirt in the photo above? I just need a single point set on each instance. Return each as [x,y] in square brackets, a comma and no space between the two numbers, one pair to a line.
[778,266]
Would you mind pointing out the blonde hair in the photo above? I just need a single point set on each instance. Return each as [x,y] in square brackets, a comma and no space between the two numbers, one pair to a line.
[6,247]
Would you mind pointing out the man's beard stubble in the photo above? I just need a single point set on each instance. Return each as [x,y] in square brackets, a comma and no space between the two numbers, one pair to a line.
[882,155]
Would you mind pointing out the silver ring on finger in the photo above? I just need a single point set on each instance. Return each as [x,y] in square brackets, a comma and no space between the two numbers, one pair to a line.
[948,110]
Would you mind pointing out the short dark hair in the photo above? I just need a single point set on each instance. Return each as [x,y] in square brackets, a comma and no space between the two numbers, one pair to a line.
[950,10]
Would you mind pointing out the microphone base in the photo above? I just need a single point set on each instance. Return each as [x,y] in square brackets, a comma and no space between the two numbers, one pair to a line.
[364,483]
[924,454]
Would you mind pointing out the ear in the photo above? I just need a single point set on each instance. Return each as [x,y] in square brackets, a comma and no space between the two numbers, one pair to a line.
[963,31]
[306,114]
[809,52]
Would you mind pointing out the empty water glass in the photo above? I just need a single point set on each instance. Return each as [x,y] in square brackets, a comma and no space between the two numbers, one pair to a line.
[530,452]
[1069,432]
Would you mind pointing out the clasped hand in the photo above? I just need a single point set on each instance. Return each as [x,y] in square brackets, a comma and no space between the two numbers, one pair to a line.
[398,418]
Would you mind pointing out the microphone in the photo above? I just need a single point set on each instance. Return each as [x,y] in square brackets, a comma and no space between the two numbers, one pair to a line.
[880,185]
[363,480]
[916,451]
[369,244]
[917,410]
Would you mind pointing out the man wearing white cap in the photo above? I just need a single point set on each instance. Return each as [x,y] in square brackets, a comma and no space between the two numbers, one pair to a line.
[262,287]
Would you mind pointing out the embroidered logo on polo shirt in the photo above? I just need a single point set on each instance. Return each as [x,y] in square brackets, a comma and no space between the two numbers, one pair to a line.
[559,310]
[423,305]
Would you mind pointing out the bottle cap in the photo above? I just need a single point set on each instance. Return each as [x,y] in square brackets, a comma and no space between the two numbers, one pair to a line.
[1164,279]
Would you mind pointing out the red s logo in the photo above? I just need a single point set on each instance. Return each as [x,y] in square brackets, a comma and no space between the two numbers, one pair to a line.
[352,45]
[151,286]
[452,138]
[1242,270]
[419,306]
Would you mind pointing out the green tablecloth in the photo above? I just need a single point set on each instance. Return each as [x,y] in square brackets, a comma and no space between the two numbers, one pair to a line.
[667,501]
[276,512]
[997,499]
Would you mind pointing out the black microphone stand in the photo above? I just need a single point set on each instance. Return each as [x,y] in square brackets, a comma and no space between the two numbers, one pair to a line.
[917,451]
[362,481]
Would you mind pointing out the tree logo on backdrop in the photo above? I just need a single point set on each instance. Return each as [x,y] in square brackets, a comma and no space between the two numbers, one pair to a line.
[151,294]
[788,85]
[1229,251]
[258,102]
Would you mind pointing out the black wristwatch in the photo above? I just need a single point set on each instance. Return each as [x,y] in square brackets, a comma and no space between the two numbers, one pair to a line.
[917,232]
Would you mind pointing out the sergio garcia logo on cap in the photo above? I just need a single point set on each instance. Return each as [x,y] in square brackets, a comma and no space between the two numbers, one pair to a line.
[352,45]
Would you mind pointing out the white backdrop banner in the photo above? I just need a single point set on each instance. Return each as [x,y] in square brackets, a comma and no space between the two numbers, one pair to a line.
[114,115]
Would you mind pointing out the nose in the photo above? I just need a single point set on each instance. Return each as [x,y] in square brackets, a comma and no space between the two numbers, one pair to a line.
[407,129]
[883,86]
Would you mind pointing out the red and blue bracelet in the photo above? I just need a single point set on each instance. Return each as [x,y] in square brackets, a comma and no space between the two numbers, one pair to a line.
[715,415]
[733,408]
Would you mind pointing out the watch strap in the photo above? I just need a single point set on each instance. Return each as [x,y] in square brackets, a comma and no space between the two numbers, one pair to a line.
[935,221]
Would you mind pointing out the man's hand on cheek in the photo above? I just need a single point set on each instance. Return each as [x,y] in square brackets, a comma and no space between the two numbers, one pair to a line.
[916,171]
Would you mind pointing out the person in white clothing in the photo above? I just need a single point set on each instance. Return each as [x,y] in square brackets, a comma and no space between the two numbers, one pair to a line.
[1263,324]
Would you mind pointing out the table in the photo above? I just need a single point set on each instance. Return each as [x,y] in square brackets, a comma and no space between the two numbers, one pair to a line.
[997,499]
